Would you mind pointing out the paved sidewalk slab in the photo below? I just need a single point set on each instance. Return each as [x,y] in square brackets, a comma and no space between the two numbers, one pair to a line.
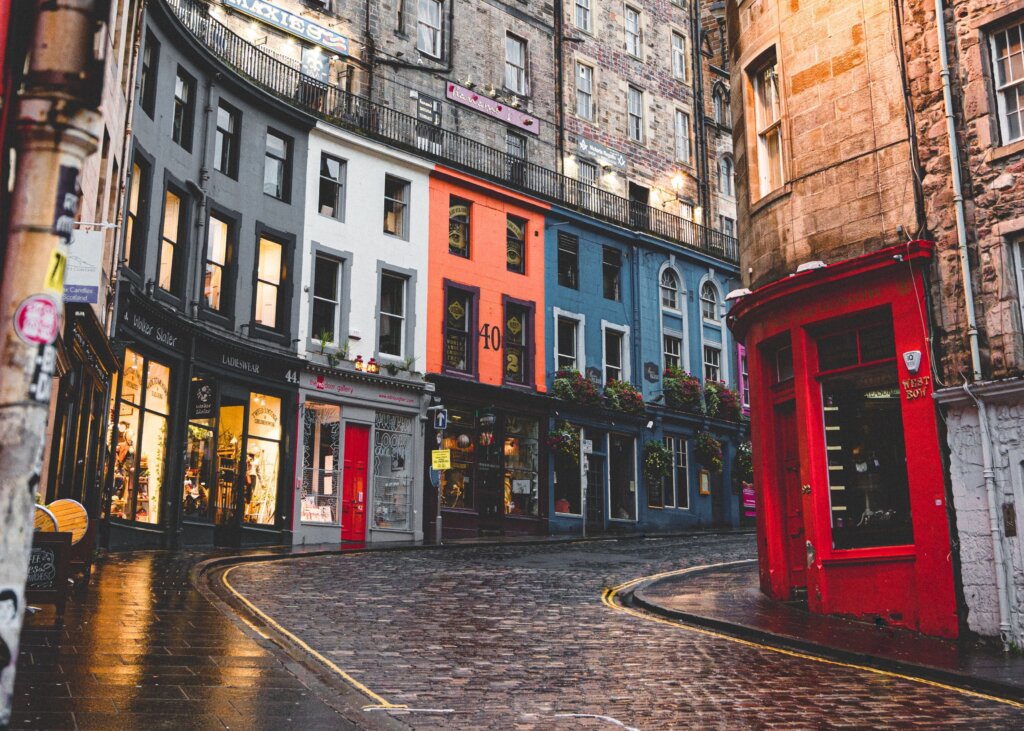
[729,599]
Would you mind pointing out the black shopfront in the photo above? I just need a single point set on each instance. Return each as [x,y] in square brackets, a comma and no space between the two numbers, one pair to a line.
[201,436]
[495,485]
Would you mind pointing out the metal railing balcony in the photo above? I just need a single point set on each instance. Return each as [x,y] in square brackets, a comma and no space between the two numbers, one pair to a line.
[396,129]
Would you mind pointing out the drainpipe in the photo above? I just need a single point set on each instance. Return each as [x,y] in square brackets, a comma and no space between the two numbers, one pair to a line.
[998,555]
[559,87]
[201,190]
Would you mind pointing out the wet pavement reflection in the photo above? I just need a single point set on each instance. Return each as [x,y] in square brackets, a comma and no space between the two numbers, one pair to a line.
[142,649]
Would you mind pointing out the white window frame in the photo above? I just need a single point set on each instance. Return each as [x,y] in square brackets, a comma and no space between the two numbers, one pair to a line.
[335,342]
[678,56]
[678,338]
[635,111]
[673,442]
[1005,88]
[681,314]
[583,11]
[768,123]
[433,36]
[517,70]
[624,370]
[745,378]
[717,319]
[682,136]
[339,182]
[634,34]
[676,290]
[403,232]
[585,111]
[708,349]
[403,317]
[581,322]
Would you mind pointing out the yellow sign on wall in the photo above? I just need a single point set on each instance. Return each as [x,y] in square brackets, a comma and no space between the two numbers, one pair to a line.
[441,459]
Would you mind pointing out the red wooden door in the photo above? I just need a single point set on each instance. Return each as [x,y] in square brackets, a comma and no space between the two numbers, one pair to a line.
[788,454]
[353,494]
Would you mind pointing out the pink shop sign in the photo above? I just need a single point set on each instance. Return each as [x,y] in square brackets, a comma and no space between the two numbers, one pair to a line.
[493,108]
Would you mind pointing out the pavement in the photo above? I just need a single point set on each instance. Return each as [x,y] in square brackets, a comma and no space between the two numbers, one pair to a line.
[728,599]
[481,634]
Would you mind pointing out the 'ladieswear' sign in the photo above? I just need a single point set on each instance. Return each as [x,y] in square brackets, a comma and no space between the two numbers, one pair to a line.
[493,108]
[275,16]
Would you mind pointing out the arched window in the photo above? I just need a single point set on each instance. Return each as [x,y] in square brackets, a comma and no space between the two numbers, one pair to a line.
[716,105]
[709,301]
[726,183]
[669,290]
[720,106]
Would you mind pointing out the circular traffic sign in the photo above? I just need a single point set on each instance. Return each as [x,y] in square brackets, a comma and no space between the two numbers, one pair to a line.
[37,319]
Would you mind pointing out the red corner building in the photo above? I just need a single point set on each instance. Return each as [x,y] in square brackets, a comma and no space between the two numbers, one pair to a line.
[852,510]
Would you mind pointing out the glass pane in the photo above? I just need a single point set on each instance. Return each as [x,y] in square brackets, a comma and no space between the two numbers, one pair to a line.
[134,364]
[837,351]
[199,457]
[877,343]
[266,304]
[325,279]
[392,470]
[270,261]
[150,474]
[158,381]
[521,454]
[273,176]
[328,200]
[217,241]
[229,451]
[457,482]
[390,335]
[172,211]
[321,476]
[264,416]
[324,322]
[868,487]
[261,465]
[125,462]
[392,295]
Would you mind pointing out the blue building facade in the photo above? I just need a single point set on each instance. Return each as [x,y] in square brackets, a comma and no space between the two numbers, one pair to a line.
[622,306]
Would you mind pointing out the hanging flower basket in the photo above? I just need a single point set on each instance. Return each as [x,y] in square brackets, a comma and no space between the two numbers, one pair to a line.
[682,391]
[571,385]
[564,440]
[744,465]
[657,461]
[721,401]
[708,451]
[623,396]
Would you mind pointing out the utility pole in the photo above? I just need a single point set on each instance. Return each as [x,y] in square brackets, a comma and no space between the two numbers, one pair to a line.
[58,125]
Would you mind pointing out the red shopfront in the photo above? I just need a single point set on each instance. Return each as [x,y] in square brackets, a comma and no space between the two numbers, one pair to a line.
[851,497]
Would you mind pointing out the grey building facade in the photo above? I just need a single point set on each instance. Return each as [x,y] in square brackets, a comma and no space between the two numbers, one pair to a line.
[203,413]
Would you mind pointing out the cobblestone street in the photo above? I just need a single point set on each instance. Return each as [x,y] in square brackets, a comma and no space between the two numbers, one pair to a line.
[516,636]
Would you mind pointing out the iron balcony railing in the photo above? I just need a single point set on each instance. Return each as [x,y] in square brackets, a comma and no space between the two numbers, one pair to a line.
[400,130]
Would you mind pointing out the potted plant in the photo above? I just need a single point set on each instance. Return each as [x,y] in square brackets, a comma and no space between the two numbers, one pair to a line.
[623,396]
[657,461]
[708,451]
[571,385]
[564,440]
[682,390]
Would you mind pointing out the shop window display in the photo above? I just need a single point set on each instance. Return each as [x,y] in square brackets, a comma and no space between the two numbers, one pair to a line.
[621,478]
[457,482]
[567,484]
[139,433]
[321,449]
[520,453]
[199,458]
[392,471]
[262,457]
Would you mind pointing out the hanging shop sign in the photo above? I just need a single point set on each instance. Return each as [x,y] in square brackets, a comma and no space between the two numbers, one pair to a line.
[493,108]
[293,24]
[203,400]
[83,272]
[602,153]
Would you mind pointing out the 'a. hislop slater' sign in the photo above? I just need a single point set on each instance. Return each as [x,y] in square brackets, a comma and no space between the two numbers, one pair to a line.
[275,16]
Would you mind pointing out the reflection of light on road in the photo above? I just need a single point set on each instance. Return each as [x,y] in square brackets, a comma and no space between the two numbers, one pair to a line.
[403,709]
[611,598]
[609,719]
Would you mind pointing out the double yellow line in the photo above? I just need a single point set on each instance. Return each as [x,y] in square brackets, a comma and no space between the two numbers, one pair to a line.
[610,597]
[379,702]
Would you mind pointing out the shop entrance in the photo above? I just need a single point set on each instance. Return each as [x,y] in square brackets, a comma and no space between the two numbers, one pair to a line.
[595,494]
[489,499]
[353,496]
[229,498]
[788,480]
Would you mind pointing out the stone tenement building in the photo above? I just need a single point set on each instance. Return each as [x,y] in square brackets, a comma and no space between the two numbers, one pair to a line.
[842,141]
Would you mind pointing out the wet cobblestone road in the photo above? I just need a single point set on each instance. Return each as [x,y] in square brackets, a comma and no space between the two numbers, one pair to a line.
[516,637]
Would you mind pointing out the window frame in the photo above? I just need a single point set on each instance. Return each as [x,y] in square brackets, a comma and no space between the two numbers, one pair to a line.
[226,142]
[726,176]
[519,81]
[678,56]
[605,264]
[227,292]
[665,350]
[183,112]
[765,128]
[623,331]
[528,310]
[340,186]
[708,286]
[679,467]
[674,288]
[472,295]
[278,286]
[579,322]
[1001,87]
[338,302]
[179,246]
[283,315]
[713,371]
[511,222]
[137,221]
[403,201]
[634,38]
[408,284]
[587,7]
[285,165]
[461,220]
[588,93]
[681,128]
[571,247]
[434,33]
[635,117]
[149,70]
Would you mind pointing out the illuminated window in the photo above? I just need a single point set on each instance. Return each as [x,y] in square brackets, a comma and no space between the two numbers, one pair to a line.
[169,273]
[516,339]
[135,216]
[217,252]
[268,283]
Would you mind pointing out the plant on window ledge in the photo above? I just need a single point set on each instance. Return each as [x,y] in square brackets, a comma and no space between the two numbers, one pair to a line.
[564,439]
[721,401]
[682,391]
[708,451]
[657,461]
[743,467]
[571,385]
[623,396]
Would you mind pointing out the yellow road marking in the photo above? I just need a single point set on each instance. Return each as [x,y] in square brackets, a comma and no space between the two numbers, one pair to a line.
[609,596]
[379,701]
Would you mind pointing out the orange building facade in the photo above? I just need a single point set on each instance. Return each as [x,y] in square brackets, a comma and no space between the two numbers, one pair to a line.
[485,354]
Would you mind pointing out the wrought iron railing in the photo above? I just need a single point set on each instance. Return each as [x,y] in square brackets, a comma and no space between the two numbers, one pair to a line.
[397,129]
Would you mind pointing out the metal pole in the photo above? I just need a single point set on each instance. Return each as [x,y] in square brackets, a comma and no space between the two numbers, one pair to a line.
[583,484]
[57,128]
[437,520]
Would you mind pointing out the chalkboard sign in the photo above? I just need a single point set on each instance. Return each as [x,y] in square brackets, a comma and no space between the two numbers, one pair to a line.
[48,570]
